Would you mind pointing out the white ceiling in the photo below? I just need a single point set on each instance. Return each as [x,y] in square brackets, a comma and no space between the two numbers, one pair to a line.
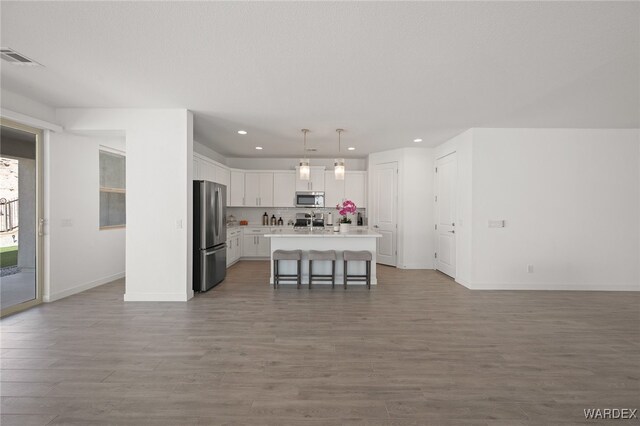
[387,72]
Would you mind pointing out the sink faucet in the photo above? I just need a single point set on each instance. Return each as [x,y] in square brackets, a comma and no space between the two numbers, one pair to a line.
[312,215]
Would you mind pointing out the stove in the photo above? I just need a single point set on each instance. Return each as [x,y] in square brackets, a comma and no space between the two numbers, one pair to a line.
[304,223]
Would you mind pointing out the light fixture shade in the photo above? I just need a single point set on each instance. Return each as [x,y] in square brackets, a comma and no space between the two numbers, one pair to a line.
[339,168]
[304,170]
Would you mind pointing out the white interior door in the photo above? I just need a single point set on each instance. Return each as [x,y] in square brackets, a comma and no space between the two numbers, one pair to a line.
[446,185]
[385,212]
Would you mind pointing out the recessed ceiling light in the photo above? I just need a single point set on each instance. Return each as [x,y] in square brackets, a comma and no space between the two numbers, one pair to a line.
[258,148]
[417,140]
[351,148]
[242,132]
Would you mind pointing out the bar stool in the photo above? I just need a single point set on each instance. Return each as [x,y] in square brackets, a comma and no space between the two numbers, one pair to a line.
[279,255]
[324,255]
[357,256]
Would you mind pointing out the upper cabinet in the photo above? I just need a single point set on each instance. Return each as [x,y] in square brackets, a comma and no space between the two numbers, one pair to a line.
[207,171]
[204,169]
[222,176]
[333,190]
[353,188]
[315,182]
[277,188]
[284,188]
[258,189]
[236,188]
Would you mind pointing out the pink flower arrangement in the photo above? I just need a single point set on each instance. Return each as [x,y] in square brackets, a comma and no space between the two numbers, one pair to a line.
[347,207]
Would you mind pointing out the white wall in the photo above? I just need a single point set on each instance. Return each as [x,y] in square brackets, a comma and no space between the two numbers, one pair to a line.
[415,204]
[81,255]
[571,202]
[570,199]
[159,190]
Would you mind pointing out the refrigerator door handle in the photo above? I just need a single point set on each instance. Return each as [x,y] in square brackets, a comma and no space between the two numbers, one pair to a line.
[220,218]
[214,251]
[216,228]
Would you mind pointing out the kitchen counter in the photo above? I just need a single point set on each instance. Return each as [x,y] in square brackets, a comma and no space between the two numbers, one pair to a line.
[358,238]
[261,226]
[323,233]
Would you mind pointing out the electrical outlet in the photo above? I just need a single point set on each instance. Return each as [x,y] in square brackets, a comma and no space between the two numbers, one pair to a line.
[530,269]
[178,224]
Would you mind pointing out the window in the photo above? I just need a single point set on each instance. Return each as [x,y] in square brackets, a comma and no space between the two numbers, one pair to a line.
[112,190]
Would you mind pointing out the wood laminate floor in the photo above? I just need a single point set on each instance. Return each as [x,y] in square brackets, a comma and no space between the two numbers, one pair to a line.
[417,349]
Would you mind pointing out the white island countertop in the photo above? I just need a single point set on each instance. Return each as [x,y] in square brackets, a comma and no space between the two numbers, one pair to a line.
[322,233]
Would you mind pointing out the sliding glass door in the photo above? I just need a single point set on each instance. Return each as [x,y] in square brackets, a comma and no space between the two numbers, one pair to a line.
[21,223]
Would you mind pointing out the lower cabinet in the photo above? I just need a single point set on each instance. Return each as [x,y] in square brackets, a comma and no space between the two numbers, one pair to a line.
[255,246]
[234,246]
[254,242]
[264,246]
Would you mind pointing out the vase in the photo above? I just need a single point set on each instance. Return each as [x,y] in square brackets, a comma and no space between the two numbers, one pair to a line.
[344,227]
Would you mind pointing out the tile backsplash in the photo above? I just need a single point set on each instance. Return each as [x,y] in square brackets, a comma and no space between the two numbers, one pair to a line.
[254,214]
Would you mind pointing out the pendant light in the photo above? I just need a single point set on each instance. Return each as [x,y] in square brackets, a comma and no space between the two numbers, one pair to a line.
[339,162]
[304,169]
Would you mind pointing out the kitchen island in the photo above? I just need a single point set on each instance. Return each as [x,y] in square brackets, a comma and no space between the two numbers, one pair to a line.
[321,239]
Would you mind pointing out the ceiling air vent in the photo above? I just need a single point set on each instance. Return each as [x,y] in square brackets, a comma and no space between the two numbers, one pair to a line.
[15,58]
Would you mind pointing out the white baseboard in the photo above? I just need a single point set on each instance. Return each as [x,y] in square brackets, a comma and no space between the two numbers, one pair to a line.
[462,282]
[155,297]
[552,286]
[82,287]
[417,266]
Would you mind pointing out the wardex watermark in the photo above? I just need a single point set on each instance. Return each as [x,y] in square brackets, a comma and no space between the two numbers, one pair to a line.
[611,413]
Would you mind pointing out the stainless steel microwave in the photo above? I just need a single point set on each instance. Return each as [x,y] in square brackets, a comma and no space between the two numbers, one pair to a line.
[310,199]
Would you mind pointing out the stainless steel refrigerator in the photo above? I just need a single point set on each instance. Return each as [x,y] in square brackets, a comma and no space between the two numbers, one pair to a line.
[209,234]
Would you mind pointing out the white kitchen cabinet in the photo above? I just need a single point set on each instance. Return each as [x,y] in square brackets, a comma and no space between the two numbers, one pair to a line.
[223,177]
[333,190]
[238,245]
[355,188]
[234,246]
[254,242]
[207,171]
[284,188]
[315,182]
[249,246]
[236,190]
[230,251]
[258,189]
